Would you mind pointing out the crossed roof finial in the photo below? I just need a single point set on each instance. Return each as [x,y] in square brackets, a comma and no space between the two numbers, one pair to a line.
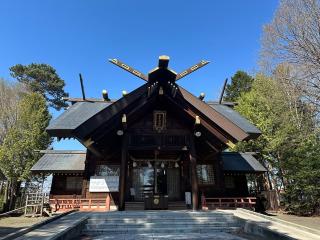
[162,72]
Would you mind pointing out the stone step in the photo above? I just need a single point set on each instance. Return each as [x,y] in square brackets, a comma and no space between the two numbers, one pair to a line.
[160,220]
[159,217]
[195,229]
[147,220]
[159,214]
[181,236]
[156,226]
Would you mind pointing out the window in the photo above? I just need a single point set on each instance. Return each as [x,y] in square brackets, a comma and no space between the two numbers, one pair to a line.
[74,183]
[159,120]
[229,182]
[107,170]
[205,174]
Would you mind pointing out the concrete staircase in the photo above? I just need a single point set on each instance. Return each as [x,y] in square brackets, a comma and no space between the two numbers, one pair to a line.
[118,225]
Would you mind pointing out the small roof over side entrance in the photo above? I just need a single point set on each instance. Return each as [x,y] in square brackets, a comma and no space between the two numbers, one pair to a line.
[241,162]
[54,161]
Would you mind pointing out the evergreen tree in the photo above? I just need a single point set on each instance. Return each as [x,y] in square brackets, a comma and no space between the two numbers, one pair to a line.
[287,148]
[17,153]
[43,79]
[303,165]
[240,83]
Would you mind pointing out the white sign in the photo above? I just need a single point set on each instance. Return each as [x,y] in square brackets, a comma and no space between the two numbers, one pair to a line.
[188,198]
[104,184]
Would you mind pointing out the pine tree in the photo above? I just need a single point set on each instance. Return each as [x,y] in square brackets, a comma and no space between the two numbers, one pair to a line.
[43,79]
[240,83]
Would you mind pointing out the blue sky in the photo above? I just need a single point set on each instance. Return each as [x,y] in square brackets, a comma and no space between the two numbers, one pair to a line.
[78,36]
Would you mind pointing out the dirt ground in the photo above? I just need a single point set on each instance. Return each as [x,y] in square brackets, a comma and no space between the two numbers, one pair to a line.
[13,224]
[311,222]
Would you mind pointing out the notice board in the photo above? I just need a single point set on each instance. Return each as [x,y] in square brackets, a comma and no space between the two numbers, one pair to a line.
[104,184]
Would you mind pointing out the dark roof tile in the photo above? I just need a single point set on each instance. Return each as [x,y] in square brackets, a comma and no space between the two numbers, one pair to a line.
[56,162]
[236,118]
[241,162]
[76,115]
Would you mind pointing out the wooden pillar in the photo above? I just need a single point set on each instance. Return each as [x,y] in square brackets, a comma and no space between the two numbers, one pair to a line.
[194,177]
[218,165]
[123,168]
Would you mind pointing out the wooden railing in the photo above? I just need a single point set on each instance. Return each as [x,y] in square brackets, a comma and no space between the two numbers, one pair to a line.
[34,205]
[82,204]
[229,202]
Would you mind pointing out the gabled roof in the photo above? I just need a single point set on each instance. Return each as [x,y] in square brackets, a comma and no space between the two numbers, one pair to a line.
[225,117]
[241,162]
[88,119]
[236,118]
[76,115]
[72,122]
[60,162]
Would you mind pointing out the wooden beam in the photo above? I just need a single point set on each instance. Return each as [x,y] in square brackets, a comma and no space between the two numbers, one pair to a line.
[133,111]
[212,146]
[163,61]
[194,177]
[123,168]
[222,91]
[212,115]
[191,69]
[204,123]
[73,100]
[82,87]
[89,144]
[129,69]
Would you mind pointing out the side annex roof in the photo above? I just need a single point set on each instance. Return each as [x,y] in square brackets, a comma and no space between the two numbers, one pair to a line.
[55,161]
[241,162]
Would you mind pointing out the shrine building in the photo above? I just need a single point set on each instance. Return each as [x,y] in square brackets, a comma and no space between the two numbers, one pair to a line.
[155,146]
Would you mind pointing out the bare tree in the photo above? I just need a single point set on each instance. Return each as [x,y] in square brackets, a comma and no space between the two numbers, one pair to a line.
[293,38]
[9,98]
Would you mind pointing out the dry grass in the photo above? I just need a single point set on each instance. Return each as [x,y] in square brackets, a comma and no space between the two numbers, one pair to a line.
[13,224]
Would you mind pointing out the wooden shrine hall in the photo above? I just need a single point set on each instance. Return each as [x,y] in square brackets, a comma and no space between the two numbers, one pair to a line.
[156,145]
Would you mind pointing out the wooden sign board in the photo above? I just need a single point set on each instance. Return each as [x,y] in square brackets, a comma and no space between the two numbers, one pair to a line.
[104,184]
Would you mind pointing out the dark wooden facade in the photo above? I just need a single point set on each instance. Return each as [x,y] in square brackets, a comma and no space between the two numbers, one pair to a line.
[160,138]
